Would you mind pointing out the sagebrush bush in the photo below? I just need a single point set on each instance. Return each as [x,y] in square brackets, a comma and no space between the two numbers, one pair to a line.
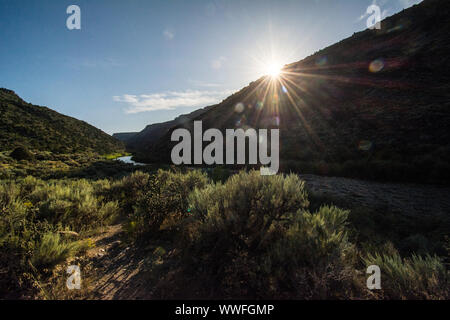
[166,198]
[315,239]
[234,226]
[33,211]
[254,237]
[19,233]
[249,206]
[73,204]
[314,258]
[130,189]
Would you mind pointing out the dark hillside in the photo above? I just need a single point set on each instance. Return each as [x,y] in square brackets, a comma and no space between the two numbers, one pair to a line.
[374,106]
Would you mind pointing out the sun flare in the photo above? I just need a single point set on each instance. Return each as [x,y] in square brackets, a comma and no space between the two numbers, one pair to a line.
[273,70]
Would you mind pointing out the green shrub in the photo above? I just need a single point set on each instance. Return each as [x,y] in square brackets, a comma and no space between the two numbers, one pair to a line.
[130,189]
[417,277]
[314,258]
[19,233]
[220,174]
[315,239]
[234,226]
[32,212]
[52,250]
[249,206]
[166,198]
[73,204]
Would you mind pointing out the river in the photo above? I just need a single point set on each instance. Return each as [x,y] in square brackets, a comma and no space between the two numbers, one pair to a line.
[127,159]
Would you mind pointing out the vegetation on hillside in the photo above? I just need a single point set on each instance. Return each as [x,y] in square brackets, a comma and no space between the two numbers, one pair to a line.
[42,129]
[48,165]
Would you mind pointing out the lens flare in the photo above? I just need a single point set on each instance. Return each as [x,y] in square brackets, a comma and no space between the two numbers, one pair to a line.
[239,108]
[273,70]
[376,65]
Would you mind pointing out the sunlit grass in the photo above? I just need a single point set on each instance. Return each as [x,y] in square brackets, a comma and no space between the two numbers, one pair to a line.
[112,156]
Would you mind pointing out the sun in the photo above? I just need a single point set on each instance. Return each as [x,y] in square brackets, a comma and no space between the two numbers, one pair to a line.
[273,70]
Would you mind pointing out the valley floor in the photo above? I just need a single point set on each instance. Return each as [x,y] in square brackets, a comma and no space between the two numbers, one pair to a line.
[121,271]
[407,199]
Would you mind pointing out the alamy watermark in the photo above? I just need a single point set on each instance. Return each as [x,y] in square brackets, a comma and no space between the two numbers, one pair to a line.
[74,20]
[213,153]
[374,280]
[374,20]
[74,280]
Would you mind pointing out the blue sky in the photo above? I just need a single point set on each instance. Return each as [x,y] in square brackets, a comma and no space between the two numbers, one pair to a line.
[138,62]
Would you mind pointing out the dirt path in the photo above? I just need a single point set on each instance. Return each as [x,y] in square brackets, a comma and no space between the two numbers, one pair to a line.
[118,268]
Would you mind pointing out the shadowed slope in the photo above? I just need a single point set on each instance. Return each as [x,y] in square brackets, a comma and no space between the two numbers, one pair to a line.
[375,105]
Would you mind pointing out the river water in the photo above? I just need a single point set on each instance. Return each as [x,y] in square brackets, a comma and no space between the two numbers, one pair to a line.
[127,159]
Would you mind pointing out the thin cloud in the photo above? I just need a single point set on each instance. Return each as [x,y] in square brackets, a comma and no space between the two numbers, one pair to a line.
[218,63]
[168,34]
[170,100]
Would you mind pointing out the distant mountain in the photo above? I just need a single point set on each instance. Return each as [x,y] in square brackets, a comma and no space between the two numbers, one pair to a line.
[40,128]
[153,132]
[124,136]
[375,105]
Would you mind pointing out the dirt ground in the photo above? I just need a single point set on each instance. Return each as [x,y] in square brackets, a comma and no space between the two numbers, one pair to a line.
[407,199]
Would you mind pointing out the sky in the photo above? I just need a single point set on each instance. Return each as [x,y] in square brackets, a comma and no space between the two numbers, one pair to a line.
[138,62]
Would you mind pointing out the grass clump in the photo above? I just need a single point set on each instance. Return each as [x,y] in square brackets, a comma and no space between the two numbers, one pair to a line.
[53,250]
[416,277]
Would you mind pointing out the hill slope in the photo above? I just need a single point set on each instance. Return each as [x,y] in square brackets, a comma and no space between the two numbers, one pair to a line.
[123,136]
[40,128]
[153,132]
[375,105]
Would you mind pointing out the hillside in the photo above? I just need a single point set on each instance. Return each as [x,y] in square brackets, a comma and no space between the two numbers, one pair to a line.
[123,136]
[153,132]
[375,105]
[40,128]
